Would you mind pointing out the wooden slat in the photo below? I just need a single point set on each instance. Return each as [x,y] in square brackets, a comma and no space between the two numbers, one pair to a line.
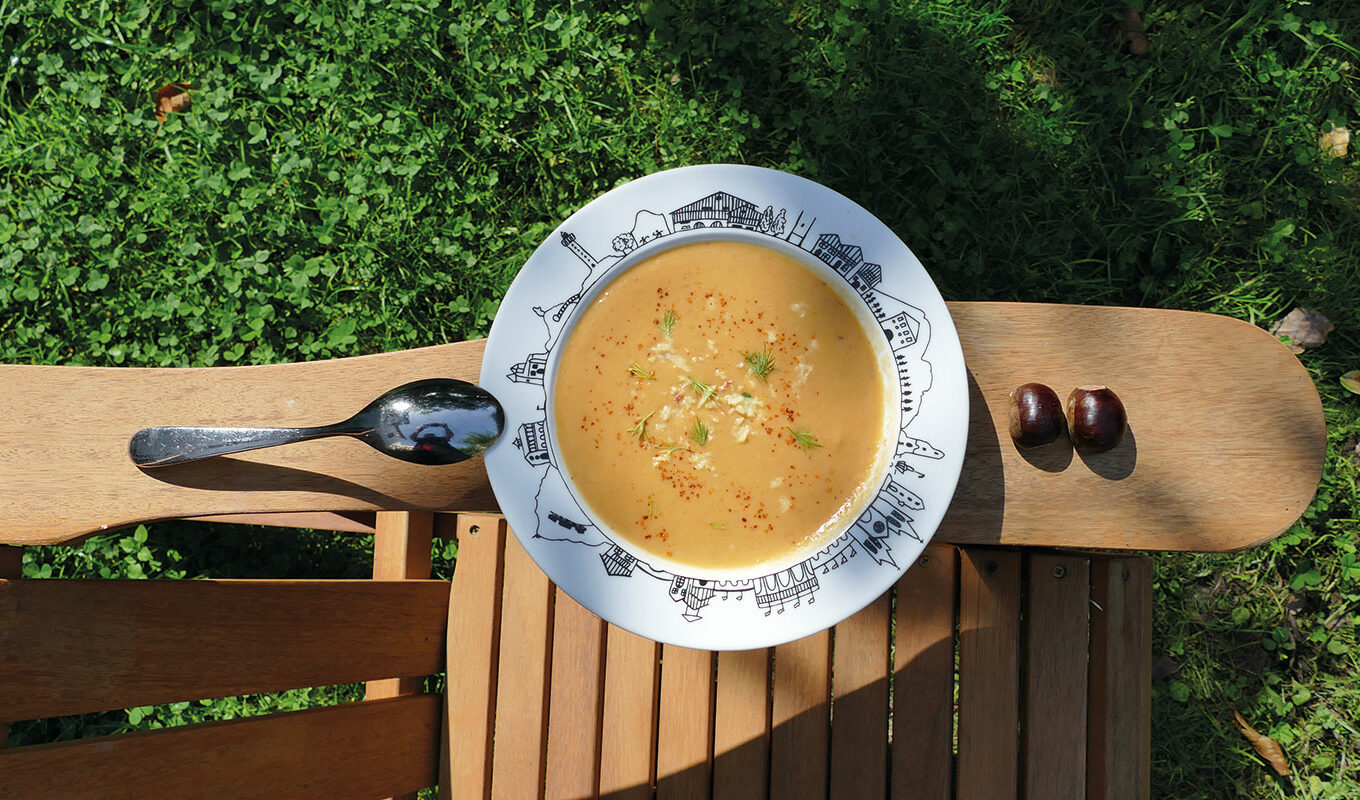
[1056,654]
[627,740]
[401,551]
[11,561]
[49,500]
[68,647]
[741,726]
[685,728]
[1118,750]
[522,686]
[799,733]
[349,521]
[859,706]
[989,678]
[368,749]
[11,566]
[473,624]
[577,693]
[923,678]
[1174,482]
[1179,469]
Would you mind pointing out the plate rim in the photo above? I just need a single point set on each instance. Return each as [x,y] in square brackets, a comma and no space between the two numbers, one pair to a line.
[942,340]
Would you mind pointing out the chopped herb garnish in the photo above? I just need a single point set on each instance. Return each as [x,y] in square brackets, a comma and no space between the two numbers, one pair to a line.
[640,429]
[699,435]
[668,321]
[760,363]
[667,449]
[704,390]
[651,507]
[638,372]
[716,526]
[804,439]
[747,395]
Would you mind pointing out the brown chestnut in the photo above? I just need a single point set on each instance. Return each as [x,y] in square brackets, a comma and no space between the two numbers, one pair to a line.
[1095,418]
[1036,415]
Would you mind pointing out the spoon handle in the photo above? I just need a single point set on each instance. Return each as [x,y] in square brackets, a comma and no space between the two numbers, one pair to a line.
[163,446]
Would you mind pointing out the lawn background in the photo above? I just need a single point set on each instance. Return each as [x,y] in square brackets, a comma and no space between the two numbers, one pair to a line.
[355,178]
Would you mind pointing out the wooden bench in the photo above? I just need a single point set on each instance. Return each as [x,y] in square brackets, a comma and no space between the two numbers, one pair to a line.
[1052,684]
[989,671]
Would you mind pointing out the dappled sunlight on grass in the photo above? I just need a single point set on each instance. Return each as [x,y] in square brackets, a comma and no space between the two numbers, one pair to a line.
[358,177]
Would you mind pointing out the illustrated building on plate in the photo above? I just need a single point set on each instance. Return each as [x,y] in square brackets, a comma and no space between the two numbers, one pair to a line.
[795,584]
[530,370]
[848,260]
[719,209]
[533,442]
[618,562]
[569,242]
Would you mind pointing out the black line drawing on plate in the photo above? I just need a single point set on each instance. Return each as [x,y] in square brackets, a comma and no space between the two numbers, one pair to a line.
[560,515]
[530,370]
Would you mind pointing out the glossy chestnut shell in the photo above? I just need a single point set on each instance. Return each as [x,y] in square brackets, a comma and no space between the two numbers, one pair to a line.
[1036,415]
[1096,420]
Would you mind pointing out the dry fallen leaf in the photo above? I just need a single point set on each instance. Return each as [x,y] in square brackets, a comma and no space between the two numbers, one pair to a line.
[1266,747]
[172,98]
[1334,141]
[1306,329]
[1351,381]
[1131,34]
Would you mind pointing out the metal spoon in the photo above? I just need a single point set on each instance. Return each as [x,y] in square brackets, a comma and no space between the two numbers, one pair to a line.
[436,421]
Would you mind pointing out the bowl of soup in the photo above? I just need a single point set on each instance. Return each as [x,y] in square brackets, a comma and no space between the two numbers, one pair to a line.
[721,407]
[736,407]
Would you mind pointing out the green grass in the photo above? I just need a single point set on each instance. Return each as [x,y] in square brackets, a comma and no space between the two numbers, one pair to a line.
[356,178]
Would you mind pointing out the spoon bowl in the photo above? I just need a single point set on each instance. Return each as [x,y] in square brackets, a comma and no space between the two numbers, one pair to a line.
[433,422]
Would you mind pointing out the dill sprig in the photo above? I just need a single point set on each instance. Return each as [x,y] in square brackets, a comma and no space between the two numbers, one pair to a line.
[640,428]
[638,372]
[668,321]
[804,439]
[717,527]
[699,434]
[760,363]
[704,390]
[667,449]
[651,507]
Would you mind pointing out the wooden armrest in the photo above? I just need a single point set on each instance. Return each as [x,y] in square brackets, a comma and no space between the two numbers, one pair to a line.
[1225,447]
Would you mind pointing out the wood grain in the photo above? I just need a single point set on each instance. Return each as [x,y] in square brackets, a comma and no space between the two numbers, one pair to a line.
[1120,688]
[401,551]
[52,499]
[522,686]
[1174,484]
[631,695]
[472,654]
[859,706]
[1056,654]
[741,725]
[1214,405]
[989,674]
[573,756]
[348,521]
[923,678]
[685,728]
[11,560]
[801,718]
[369,749]
[70,647]
[11,567]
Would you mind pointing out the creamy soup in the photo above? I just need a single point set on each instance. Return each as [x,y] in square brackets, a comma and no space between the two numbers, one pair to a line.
[720,405]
